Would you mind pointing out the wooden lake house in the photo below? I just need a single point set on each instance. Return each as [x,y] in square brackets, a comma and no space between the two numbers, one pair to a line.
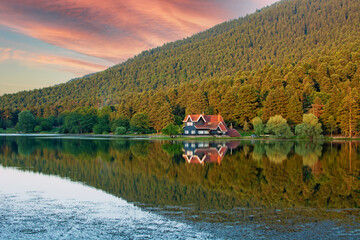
[212,125]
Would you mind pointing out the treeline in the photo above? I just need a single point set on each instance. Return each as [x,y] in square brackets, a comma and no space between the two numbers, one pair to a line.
[80,120]
[293,58]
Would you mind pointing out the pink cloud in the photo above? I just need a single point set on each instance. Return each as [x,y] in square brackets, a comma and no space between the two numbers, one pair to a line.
[110,29]
[5,53]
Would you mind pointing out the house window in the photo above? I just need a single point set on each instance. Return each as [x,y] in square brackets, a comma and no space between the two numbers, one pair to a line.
[186,132]
[189,123]
[201,132]
[186,145]
[193,145]
[193,132]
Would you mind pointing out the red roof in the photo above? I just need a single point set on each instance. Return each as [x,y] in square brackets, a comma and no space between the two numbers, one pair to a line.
[211,121]
[209,155]
[223,127]
[193,159]
[233,133]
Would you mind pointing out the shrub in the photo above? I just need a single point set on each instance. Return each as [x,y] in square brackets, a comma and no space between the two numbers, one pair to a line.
[37,129]
[120,131]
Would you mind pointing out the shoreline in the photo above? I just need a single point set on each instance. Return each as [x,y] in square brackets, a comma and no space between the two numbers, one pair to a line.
[163,137]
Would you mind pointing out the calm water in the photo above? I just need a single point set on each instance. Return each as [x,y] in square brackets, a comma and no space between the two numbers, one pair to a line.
[70,188]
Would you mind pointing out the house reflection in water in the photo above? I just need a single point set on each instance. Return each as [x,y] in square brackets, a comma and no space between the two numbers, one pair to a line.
[207,152]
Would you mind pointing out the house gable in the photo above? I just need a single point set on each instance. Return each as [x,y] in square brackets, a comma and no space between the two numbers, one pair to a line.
[201,124]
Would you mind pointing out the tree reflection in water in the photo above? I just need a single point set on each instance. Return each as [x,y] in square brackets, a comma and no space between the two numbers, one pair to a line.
[268,174]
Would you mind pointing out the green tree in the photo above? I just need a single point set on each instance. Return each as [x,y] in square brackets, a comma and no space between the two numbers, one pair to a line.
[171,130]
[102,125]
[120,121]
[26,122]
[278,126]
[258,125]
[310,128]
[120,131]
[45,124]
[139,123]
[80,120]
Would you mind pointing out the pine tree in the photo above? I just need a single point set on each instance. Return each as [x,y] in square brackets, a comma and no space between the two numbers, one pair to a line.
[228,104]
[246,107]
[349,112]
[331,109]
[275,104]
[195,102]
[294,110]
[317,107]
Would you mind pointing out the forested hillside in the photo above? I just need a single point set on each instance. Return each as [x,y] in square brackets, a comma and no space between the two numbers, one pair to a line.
[294,57]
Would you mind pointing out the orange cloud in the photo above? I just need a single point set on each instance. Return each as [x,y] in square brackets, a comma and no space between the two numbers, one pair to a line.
[110,29]
[78,67]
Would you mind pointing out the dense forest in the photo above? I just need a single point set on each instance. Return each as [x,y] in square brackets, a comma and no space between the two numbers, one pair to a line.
[292,58]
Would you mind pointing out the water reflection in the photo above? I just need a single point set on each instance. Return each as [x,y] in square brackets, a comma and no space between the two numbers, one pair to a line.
[222,175]
[206,152]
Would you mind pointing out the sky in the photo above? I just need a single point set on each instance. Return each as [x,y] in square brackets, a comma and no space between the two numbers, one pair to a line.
[43,43]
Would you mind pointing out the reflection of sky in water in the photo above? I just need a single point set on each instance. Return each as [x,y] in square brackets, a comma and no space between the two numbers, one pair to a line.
[36,206]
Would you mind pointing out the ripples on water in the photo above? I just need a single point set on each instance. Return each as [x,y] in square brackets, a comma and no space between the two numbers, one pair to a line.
[36,206]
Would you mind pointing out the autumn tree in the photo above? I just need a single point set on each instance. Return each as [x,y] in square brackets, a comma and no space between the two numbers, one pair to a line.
[331,110]
[278,126]
[228,104]
[317,107]
[246,106]
[195,102]
[349,112]
[160,113]
[310,127]
[275,104]
[331,124]
[294,110]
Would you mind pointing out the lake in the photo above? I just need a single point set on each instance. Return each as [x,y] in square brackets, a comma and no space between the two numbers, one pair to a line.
[64,187]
